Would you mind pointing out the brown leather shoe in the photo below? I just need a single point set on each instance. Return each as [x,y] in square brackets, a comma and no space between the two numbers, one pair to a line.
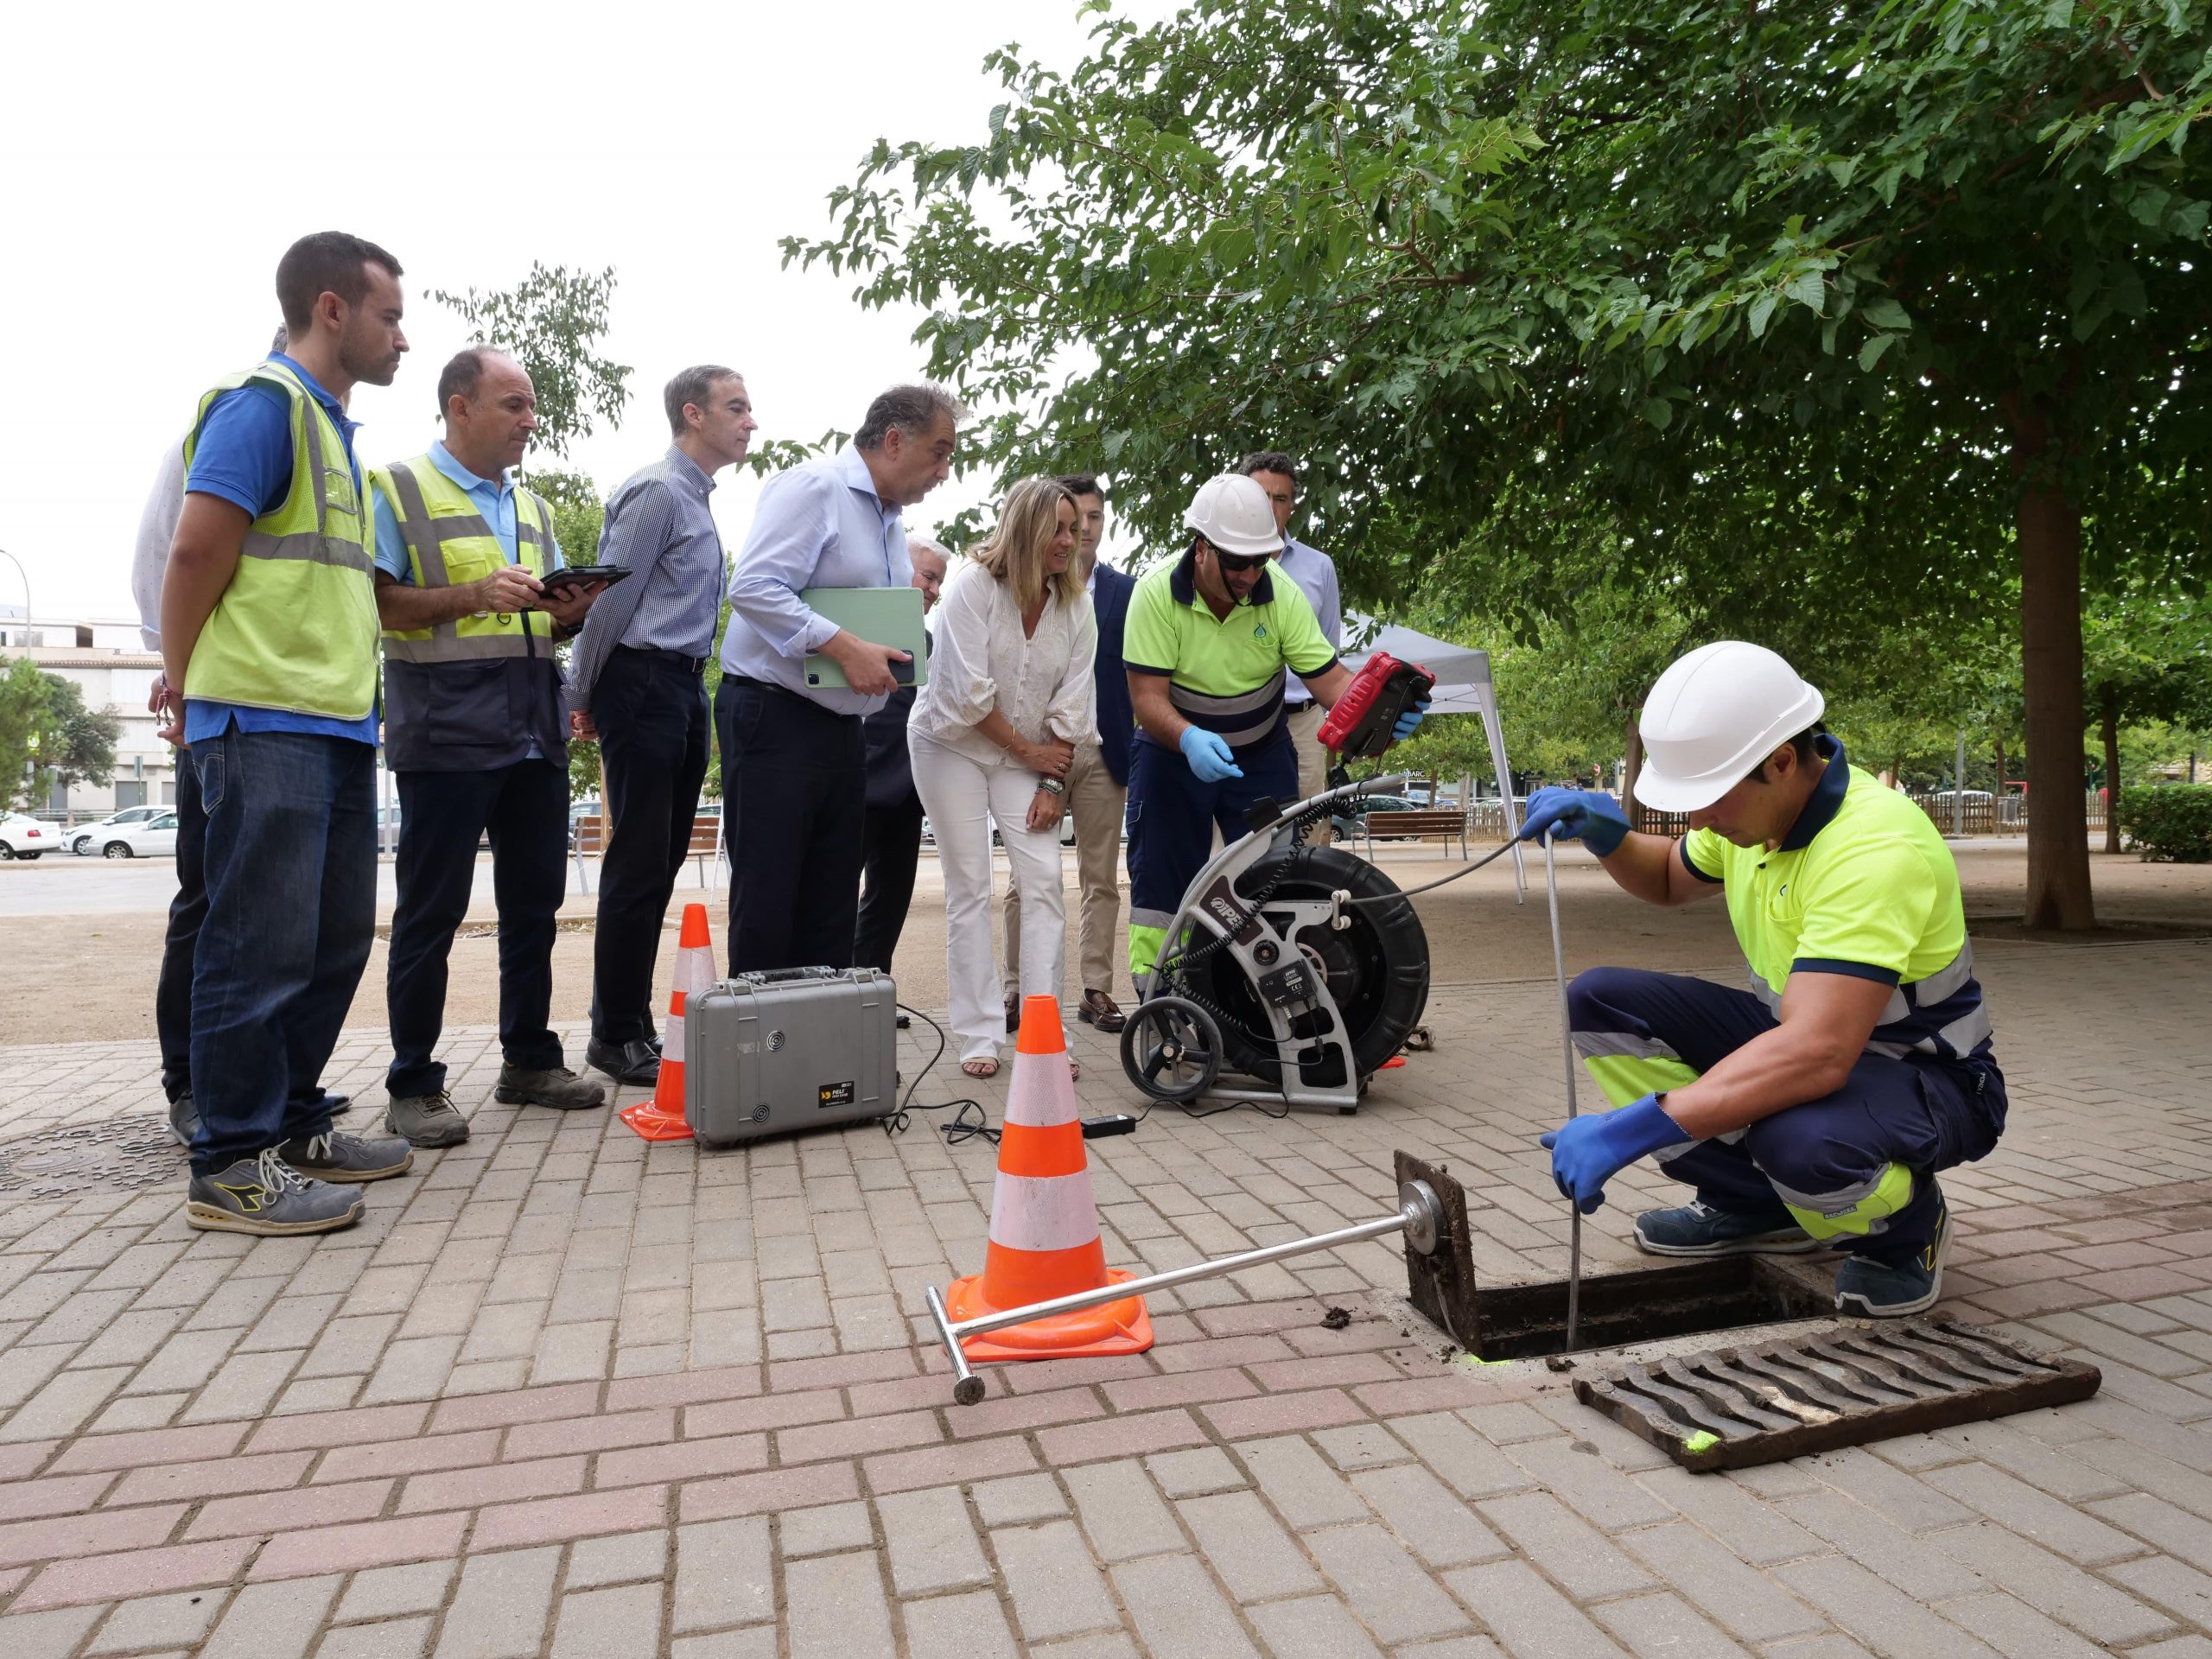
[1099,1009]
[1013,1010]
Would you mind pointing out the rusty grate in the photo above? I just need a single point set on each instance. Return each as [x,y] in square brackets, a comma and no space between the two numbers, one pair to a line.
[1731,1407]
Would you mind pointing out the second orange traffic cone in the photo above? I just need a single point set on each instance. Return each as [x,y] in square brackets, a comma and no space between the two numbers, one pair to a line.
[1044,1237]
[662,1117]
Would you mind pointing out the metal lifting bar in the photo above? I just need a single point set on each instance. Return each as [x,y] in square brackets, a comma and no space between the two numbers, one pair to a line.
[1419,1217]
[1573,1108]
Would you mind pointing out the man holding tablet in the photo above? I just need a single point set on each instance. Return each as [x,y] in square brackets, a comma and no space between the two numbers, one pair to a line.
[476,736]
[794,757]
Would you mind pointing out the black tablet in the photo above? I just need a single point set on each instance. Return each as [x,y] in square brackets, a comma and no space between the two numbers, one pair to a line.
[577,575]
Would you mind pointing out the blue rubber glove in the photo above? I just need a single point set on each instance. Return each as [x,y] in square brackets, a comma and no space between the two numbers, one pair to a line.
[1208,754]
[1589,1151]
[1589,814]
[1408,722]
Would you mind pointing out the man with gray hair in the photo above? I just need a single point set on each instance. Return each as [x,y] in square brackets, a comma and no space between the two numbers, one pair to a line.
[794,756]
[1315,573]
[634,685]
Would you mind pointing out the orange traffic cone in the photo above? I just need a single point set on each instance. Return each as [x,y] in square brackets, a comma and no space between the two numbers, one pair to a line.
[662,1117]
[1044,1238]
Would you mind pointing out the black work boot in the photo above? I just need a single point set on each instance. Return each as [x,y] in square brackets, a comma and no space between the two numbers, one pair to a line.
[555,1086]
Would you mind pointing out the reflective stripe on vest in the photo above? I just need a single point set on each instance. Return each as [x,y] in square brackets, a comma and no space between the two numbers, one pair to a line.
[295,628]
[448,543]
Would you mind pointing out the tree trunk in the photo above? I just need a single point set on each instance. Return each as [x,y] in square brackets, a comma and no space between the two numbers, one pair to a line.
[1631,764]
[2000,790]
[2109,708]
[2050,663]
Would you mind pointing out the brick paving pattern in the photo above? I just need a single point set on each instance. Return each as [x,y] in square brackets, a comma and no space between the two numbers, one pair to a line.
[564,1393]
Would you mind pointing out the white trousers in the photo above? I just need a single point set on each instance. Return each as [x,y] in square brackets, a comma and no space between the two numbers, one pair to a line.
[963,800]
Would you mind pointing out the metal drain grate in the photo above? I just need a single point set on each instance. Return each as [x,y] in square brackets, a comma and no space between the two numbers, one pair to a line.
[1734,1407]
[122,1154]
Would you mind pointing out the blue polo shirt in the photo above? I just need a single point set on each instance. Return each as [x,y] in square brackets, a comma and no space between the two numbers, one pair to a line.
[243,456]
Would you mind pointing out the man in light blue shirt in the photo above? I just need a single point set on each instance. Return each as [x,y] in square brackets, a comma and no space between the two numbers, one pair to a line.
[1315,573]
[794,758]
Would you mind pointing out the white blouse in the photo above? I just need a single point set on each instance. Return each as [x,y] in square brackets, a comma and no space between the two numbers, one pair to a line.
[980,660]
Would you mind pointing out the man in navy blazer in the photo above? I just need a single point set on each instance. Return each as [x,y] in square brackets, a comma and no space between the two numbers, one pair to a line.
[1098,784]
[891,836]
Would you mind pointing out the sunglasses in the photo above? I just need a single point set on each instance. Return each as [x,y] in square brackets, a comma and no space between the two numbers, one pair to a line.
[1238,563]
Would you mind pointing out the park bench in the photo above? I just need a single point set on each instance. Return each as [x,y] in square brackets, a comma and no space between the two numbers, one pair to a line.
[706,844]
[1409,826]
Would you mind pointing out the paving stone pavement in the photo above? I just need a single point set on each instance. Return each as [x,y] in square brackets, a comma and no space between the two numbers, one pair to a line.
[565,1393]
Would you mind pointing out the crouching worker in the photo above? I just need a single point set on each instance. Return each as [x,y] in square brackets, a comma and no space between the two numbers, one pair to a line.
[1815,1109]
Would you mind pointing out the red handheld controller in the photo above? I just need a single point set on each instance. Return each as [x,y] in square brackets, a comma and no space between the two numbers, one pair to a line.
[1360,726]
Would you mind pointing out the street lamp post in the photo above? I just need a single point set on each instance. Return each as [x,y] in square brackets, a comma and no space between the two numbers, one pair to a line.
[25,574]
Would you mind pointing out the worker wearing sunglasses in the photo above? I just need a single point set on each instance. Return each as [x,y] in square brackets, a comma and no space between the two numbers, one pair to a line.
[1207,643]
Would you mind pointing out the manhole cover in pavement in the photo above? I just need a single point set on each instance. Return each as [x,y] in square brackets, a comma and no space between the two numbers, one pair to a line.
[124,1154]
[1734,1406]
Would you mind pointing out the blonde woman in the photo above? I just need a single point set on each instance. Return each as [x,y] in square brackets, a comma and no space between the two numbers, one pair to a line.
[993,733]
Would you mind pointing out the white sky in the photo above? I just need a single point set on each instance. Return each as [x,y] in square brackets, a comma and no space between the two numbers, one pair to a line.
[158,159]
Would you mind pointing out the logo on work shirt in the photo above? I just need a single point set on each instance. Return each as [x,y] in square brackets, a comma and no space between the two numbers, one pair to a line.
[1259,630]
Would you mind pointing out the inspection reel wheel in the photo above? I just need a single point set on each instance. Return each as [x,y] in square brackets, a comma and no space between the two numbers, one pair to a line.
[1376,968]
[1171,1049]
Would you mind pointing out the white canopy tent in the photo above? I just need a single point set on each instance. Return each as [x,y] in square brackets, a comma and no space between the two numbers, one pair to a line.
[1463,687]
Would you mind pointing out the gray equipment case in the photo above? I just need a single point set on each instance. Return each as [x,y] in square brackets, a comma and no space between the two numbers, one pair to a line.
[791,1049]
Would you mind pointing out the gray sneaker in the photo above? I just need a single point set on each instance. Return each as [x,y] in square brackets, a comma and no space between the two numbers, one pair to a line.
[556,1087]
[184,1120]
[331,1156]
[266,1196]
[427,1120]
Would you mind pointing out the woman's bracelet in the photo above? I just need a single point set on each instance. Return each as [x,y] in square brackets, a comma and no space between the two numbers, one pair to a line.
[1051,785]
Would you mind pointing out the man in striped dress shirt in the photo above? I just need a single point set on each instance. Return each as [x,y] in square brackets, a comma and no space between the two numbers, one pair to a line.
[634,685]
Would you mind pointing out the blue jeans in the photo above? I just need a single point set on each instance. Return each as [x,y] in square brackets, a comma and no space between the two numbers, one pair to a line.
[290,863]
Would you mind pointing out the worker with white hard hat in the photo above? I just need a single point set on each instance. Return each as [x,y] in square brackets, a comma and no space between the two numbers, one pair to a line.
[1814,1109]
[1207,643]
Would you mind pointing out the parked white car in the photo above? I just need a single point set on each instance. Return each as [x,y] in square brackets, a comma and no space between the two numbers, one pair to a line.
[22,838]
[155,838]
[90,837]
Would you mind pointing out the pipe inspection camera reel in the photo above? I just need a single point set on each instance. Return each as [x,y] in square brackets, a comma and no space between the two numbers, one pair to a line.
[1303,969]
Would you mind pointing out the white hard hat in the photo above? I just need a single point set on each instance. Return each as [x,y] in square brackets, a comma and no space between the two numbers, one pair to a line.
[1233,513]
[1712,718]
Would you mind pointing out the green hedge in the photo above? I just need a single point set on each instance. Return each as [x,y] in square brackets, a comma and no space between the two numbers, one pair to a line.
[2172,824]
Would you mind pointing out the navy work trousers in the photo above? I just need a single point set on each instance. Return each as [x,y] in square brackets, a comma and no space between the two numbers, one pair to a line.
[1920,1112]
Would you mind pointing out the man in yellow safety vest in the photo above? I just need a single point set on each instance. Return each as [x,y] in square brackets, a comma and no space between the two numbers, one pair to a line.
[268,642]
[475,735]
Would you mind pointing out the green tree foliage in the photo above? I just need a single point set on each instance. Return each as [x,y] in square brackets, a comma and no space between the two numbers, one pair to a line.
[46,731]
[2168,824]
[77,745]
[2148,657]
[26,693]
[1840,316]
[552,321]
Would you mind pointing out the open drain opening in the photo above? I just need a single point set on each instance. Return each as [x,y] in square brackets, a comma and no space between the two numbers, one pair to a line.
[1688,1299]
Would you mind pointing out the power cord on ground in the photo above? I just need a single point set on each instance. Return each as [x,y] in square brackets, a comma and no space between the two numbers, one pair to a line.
[963,1127]
[970,1121]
